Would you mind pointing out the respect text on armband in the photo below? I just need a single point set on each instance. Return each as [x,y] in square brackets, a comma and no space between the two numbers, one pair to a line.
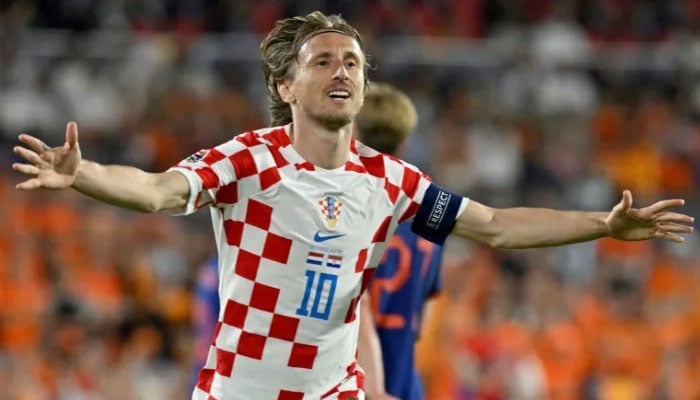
[439,208]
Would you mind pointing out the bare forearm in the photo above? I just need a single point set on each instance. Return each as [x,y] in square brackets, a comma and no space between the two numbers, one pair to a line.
[514,228]
[369,354]
[126,187]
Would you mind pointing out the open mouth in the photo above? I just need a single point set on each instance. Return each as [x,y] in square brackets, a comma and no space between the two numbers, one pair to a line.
[339,94]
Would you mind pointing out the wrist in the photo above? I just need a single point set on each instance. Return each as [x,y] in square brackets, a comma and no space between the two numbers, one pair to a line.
[602,223]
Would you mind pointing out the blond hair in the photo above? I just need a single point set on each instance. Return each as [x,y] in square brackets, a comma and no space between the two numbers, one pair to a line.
[386,119]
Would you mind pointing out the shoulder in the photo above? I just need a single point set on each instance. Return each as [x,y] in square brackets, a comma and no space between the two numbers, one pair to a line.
[275,136]
[381,164]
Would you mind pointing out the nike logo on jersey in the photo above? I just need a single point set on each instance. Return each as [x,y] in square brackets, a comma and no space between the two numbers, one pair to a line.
[318,238]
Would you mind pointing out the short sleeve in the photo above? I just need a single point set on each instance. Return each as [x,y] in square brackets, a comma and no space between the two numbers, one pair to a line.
[212,174]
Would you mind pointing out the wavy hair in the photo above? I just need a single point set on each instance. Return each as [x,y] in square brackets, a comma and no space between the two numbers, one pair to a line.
[280,48]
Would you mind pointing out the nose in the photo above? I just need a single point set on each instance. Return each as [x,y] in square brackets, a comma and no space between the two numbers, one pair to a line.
[341,73]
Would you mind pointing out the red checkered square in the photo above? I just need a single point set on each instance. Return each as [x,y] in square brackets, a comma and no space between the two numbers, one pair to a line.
[228,194]
[289,395]
[410,181]
[244,164]
[283,327]
[251,345]
[249,139]
[204,379]
[410,212]
[277,248]
[280,161]
[212,156]
[264,297]
[209,178]
[350,166]
[374,165]
[247,265]
[381,233]
[367,275]
[392,190]
[234,232]
[305,165]
[269,177]
[361,260]
[224,362]
[303,355]
[235,313]
[258,214]
[350,315]
[277,137]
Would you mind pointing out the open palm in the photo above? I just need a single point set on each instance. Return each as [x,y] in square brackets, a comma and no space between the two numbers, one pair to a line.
[50,168]
[654,221]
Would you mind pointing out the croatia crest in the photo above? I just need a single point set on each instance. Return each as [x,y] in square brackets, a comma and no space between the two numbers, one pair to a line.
[330,208]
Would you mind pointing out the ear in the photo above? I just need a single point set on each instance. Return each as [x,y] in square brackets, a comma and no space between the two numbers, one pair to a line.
[285,91]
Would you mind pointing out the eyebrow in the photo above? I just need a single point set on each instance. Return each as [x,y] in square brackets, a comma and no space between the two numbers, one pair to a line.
[328,54]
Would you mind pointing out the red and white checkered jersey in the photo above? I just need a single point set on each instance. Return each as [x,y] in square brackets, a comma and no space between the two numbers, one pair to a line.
[297,246]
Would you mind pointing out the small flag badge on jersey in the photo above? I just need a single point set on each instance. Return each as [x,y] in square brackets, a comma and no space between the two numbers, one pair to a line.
[196,156]
[330,208]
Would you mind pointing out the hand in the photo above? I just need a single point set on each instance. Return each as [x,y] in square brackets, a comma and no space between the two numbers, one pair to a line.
[52,168]
[627,223]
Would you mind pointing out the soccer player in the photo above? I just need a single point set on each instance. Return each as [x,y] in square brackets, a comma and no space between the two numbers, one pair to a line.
[302,214]
[408,274]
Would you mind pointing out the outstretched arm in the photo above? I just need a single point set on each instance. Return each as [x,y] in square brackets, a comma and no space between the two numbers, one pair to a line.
[123,186]
[514,228]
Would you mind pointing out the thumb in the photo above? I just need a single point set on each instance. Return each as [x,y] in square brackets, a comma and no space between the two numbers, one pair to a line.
[71,135]
[626,202]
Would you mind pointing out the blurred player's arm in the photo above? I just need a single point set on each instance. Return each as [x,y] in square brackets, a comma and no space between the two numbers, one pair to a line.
[369,354]
[128,187]
[539,227]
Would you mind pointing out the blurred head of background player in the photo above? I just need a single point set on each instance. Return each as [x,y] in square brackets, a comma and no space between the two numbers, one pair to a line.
[386,351]
[386,120]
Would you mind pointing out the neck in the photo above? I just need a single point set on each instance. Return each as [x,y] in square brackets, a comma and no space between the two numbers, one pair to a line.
[325,148]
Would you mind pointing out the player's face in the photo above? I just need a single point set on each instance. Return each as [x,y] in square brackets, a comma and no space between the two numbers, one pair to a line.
[328,83]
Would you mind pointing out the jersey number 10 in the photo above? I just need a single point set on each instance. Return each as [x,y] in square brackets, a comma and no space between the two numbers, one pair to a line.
[322,290]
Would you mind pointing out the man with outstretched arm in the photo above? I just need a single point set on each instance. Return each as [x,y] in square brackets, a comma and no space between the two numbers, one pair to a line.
[302,214]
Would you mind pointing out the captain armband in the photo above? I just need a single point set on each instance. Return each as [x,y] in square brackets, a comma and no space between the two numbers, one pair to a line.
[437,214]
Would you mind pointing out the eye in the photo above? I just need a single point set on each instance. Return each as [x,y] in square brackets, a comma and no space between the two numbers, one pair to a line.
[322,63]
[351,64]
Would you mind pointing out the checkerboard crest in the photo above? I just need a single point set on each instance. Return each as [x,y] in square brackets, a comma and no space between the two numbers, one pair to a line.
[331,207]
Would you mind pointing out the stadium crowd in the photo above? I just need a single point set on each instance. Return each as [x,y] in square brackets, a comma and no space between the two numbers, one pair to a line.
[550,103]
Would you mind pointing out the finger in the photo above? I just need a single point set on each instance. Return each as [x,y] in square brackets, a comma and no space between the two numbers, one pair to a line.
[625,203]
[33,143]
[71,135]
[33,183]
[626,199]
[26,168]
[28,155]
[677,228]
[669,236]
[674,217]
[663,205]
